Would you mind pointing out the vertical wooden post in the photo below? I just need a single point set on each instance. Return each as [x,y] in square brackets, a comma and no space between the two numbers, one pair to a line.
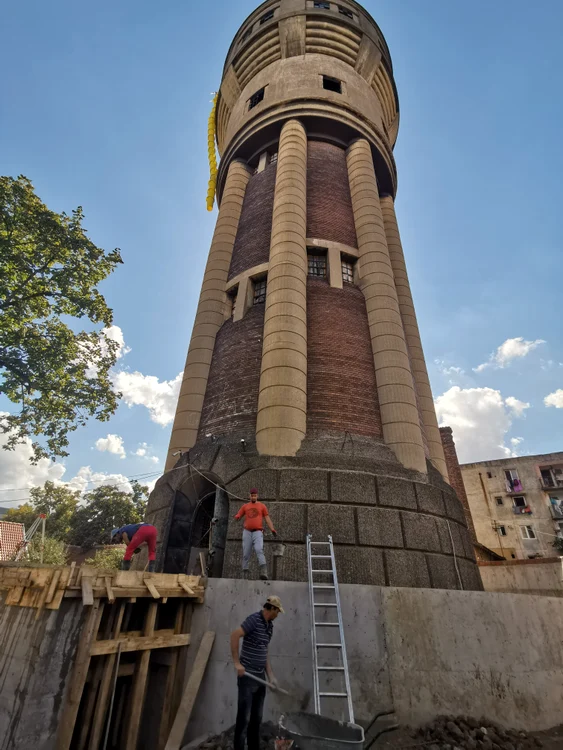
[165,720]
[79,674]
[140,683]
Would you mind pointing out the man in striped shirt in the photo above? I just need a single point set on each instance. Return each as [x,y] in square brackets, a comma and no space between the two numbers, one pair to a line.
[256,633]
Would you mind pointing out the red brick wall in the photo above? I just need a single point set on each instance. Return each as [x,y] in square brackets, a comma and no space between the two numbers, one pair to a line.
[341,390]
[231,398]
[455,476]
[329,205]
[252,243]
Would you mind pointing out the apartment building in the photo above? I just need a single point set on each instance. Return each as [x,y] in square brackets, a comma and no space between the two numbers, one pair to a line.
[517,504]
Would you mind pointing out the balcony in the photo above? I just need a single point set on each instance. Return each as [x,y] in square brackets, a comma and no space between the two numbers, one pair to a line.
[514,487]
[519,510]
[549,483]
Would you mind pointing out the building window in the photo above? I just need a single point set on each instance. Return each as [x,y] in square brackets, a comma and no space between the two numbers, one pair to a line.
[232,300]
[247,34]
[317,264]
[345,11]
[499,500]
[256,98]
[528,532]
[332,84]
[321,5]
[274,158]
[513,483]
[519,502]
[347,272]
[489,475]
[259,292]
[502,530]
[267,17]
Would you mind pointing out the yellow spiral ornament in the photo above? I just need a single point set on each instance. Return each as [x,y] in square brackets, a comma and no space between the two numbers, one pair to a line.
[212,156]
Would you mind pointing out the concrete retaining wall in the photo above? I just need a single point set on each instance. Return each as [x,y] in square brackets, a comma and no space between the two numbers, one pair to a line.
[36,656]
[421,652]
[541,576]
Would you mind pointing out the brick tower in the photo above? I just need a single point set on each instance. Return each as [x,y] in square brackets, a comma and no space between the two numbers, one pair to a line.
[305,374]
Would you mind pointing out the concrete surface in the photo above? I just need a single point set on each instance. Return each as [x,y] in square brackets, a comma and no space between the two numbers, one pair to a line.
[540,577]
[421,652]
[35,661]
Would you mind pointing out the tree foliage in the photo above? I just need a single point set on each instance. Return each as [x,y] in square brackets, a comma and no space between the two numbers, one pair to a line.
[54,552]
[49,274]
[104,509]
[56,501]
[558,544]
[107,557]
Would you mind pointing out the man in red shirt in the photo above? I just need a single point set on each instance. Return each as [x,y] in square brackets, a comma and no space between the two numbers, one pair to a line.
[253,533]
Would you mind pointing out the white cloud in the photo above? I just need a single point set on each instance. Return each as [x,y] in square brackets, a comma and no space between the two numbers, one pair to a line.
[555,399]
[449,371]
[86,479]
[159,397]
[515,442]
[114,333]
[111,444]
[507,352]
[143,451]
[481,419]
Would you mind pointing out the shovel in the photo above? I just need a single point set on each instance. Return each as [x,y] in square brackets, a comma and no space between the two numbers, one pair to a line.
[303,701]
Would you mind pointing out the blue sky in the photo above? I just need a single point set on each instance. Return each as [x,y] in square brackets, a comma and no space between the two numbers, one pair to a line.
[105,105]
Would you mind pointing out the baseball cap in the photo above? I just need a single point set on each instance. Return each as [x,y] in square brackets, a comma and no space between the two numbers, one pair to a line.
[114,532]
[254,491]
[275,602]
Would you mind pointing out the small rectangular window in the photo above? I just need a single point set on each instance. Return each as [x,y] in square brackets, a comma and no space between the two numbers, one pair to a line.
[347,272]
[520,502]
[247,34]
[256,98]
[259,292]
[499,500]
[317,264]
[527,532]
[502,530]
[321,5]
[232,299]
[274,158]
[489,475]
[345,12]
[267,17]
[332,84]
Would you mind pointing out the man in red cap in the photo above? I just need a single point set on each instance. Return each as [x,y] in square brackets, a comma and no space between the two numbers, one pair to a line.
[253,533]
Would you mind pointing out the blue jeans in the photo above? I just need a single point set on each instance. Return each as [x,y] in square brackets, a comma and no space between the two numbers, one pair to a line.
[252,540]
[251,697]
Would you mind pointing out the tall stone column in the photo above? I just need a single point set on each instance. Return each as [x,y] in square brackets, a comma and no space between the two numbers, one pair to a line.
[282,402]
[395,385]
[412,335]
[210,313]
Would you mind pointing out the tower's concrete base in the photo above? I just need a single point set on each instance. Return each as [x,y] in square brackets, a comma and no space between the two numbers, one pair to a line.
[390,526]
[422,653]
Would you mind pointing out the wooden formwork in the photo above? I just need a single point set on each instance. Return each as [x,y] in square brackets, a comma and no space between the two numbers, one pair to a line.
[130,656]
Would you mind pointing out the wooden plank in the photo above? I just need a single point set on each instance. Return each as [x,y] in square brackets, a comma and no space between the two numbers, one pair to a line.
[152,588]
[176,738]
[181,667]
[140,684]
[187,588]
[14,596]
[53,586]
[57,600]
[138,592]
[165,719]
[107,680]
[111,595]
[78,679]
[87,591]
[143,643]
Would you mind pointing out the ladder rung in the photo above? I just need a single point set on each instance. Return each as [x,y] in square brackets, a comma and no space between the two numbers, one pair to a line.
[321,557]
[330,669]
[329,645]
[333,695]
[327,624]
[320,604]
[322,586]
[327,544]
[322,571]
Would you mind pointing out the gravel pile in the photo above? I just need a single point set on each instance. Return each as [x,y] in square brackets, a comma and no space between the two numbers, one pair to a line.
[269,733]
[464,733]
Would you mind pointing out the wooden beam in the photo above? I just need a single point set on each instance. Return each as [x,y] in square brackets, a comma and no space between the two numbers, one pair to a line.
[87,591]
[78,679]
[138,592]
[109,590]
[53,586]
[165,718]
[107,679]
[140,683]
[186,588]
[152,588]
[176,737]
[142,643]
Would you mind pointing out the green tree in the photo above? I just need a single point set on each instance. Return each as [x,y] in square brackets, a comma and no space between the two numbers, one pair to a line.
[106,508]
[54,552]
[109,557]
[56,501]
[49,274]
[558,544]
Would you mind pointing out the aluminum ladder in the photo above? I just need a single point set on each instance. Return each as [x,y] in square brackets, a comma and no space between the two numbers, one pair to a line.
[324,595]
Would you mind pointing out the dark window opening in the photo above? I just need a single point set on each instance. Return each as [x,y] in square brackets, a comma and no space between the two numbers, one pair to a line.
[256,98]
[345,12]
[499,500]
[347,272]
[267,17]
[321,5]
[528,532]
[247,34]
[259,292]
[520,502]
[332,84]
[232,299]
[317,264]
[489,475]
[502,530]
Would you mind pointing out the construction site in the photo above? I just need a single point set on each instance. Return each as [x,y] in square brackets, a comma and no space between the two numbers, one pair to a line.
[305,388]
